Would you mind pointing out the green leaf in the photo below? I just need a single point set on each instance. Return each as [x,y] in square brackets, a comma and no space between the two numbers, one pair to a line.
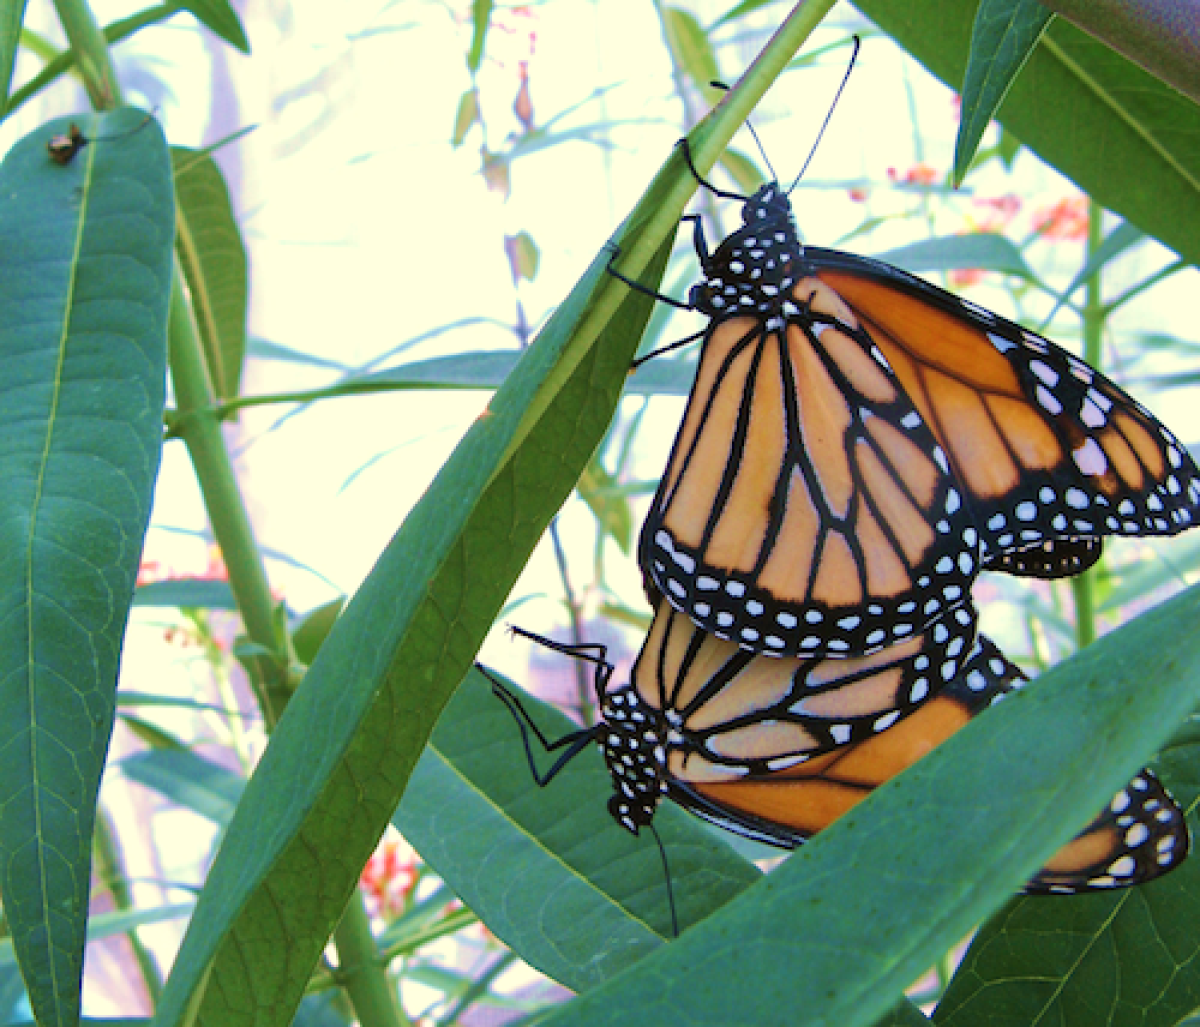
[1004,35]
[1129,141]
[187,593]
[691,49]
[342,754]
[12,15]
[188,780]
[903,1014]
[523,256]
[481,16]
[220,19]
[309,635]
[466,116]
[858,913]
[85,274]
[1115,243]
[213,258]
[609,506]
[1124,957]
[980,250]
[548,869]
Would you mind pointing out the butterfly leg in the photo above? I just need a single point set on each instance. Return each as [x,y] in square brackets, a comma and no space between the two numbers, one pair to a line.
[575,742]
[638,287]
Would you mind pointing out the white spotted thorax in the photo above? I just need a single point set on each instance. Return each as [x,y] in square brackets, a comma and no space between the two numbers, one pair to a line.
[754,270]
[630,737]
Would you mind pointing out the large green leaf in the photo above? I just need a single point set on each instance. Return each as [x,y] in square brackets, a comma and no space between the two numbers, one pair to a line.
[548,869]
[1128,140]
[1129,957]
[836,933]
[85,273]
[213,258]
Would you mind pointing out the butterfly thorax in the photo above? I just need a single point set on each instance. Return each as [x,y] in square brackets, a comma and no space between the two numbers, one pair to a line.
[631,740]
[754,270]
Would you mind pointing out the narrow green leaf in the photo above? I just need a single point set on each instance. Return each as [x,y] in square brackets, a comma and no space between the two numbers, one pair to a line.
[903,1014]
[12,15]
[614,518]
[188,780]
[213,258]
[1125,957]
[221,19]
[691,49]
[466,116]
[548,869]
[859,912]
[1003,37]
[343,751]
[85,274]
[983,250]
[1127,139]
[195,593]
[481,16]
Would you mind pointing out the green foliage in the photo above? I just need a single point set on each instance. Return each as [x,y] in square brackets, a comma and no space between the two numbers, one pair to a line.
[80,413]
[375,715]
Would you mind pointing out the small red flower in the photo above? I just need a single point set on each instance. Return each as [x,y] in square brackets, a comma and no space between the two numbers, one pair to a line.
[1066,220]
[858,194]
[964,276]
[389,876]
[918,174]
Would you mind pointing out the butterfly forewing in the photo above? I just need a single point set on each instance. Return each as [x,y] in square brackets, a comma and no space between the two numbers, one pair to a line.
[806,507]
[1046,448]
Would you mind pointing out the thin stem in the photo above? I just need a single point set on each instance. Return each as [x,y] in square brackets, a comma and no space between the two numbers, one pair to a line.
[362,972]
[196,423]
[91,53]
[1083,586]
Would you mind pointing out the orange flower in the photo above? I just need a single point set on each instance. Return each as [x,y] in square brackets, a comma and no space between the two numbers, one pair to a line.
[858,194]
[1066,220]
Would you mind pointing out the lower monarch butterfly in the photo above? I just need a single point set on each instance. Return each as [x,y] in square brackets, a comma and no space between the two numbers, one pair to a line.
[720,744]
[860,444]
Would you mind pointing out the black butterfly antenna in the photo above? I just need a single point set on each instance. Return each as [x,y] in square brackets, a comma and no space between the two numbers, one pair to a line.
[828,115]
[717,84]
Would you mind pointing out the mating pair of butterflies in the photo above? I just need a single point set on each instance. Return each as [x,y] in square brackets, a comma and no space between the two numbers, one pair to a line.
[859,445]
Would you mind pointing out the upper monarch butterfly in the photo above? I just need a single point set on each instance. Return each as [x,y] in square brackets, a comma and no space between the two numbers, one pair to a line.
[707,726]
[859,444]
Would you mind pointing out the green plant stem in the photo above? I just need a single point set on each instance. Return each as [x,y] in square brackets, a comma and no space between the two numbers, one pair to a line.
[111,873]
[1083,586]
[362,973]
[59,64]
[91,53]
[196,422]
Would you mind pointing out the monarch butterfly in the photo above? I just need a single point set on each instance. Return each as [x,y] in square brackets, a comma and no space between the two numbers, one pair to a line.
[707,725]
[860,444]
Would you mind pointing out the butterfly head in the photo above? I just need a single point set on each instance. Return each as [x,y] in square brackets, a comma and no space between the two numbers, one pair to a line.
[631,739]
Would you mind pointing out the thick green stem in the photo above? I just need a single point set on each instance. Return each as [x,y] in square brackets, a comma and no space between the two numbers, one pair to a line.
[362,973]
[91,53]
[1083,586]
[196,422]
